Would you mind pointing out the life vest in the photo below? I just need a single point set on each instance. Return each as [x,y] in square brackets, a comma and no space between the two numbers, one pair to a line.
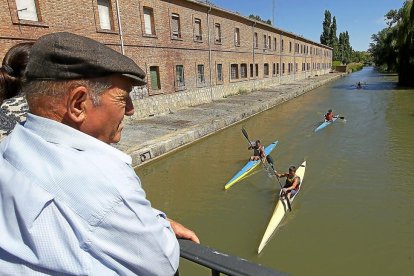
[289,181]
[329,116]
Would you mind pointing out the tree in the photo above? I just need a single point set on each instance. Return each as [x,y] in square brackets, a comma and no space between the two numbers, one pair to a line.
[326,25]
[393,47]
[333,40]
[258,18]
[405,39]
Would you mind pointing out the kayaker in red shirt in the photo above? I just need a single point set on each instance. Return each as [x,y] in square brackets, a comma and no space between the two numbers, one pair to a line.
[329,116]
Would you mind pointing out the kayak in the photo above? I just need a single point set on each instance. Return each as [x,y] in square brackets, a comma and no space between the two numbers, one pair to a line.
[280,210]
[325,124]
[249,167]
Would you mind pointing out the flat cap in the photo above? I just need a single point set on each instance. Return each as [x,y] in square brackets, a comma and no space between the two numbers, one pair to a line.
[66,56]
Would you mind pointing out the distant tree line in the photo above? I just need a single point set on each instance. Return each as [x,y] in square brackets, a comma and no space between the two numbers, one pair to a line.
[392,48]
[258,18]
[341,48]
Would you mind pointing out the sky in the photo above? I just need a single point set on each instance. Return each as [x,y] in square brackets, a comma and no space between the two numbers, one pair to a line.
[361,18]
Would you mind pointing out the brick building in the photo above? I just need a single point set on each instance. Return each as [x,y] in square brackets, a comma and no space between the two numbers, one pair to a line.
[192,52]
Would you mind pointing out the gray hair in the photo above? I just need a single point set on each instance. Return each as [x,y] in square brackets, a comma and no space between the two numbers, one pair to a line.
[56,89]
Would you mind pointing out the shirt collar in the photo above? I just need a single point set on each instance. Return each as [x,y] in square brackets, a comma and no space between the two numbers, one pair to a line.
[58,133]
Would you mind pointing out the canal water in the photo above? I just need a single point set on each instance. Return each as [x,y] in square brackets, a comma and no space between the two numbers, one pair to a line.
[354,215]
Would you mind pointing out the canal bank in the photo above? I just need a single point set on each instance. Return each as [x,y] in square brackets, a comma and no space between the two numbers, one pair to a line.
[147,139]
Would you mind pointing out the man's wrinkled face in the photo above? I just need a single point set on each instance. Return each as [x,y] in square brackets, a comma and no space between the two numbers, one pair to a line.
[104,122]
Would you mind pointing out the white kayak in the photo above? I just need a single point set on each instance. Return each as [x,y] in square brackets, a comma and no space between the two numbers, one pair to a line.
[280,210]
[325,124]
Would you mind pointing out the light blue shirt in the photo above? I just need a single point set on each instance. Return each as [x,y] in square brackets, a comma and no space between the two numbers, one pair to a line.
[71,204]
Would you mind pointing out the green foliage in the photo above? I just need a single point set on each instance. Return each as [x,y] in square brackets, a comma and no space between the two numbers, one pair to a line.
[258,18]
[336,63]
[355,67]
[393,47]
[361,57]
[326,25]
[341,48]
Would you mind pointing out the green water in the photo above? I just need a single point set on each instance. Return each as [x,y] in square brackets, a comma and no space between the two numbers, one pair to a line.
[354,215]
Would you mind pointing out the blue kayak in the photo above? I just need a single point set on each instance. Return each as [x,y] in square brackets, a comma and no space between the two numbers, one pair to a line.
[325,124]
[249,167]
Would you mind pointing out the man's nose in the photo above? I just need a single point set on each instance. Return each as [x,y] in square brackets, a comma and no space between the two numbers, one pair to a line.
[129,107]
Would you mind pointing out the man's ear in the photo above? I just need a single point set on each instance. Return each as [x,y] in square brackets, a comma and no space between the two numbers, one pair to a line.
[77,104]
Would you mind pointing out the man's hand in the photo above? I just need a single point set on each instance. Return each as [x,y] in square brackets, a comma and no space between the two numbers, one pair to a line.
[183,232]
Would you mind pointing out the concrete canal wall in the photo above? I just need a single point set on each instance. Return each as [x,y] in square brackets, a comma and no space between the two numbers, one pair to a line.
[150,138]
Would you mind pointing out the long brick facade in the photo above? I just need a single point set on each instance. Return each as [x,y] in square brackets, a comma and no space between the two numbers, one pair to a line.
[192,52]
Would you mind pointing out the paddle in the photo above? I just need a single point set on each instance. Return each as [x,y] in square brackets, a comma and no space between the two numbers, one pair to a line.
[340,117]
[270,161]
[247,137]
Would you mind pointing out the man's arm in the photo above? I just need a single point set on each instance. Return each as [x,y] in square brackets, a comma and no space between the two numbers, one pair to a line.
[182,232]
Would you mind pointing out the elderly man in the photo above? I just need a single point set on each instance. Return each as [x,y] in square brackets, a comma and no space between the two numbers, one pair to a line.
[70,204]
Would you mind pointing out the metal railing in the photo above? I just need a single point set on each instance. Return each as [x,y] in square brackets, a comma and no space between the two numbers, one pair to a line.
[220,262]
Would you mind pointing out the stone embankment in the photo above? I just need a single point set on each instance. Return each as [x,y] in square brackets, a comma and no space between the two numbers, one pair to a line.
[149,138]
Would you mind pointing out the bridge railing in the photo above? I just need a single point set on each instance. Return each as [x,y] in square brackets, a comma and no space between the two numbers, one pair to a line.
[220,262]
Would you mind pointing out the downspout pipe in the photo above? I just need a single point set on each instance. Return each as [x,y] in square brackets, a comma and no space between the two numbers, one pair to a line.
[209,53]
[121,37]
[254,63]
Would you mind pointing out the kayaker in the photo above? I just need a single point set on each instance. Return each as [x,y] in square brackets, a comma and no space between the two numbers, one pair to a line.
[359,85]
[292,182]
[258,151]
[329,116]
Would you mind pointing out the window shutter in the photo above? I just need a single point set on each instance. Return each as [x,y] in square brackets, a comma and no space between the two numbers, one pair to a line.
[104,14]
[148,21]
[175,25]
[154,79]
[26,10]
[198,29]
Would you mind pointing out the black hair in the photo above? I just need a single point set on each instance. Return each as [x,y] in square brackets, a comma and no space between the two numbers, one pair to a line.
[12,70]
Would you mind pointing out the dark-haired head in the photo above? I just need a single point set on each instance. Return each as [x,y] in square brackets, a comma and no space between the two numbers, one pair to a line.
[12,70]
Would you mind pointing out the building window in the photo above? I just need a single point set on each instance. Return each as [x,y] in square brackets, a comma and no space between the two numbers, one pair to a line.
[290,47]
[269,42]
[219,72]
[251,71]
[175,26]
[296,67]
[198,35]
[275,43]
[155,77]
[283,68]
[234,71]
[277,68]
[255,42]
[257,69]
[274,69]
[27,10]
[200,75]
[282,46]
[237,36]
[105,14]
[149,27]
[243,70]
[217,33]
[266,69]
[179,76]
[264,41]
